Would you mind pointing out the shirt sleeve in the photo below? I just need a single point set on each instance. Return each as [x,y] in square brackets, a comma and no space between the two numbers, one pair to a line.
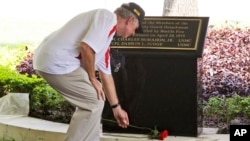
[97,34]
[104,64]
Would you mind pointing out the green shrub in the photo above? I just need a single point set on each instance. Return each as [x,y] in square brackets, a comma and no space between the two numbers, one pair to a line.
[49,104]
[46,98]
[245,103]
[227,108]
[45,102]
[12,81]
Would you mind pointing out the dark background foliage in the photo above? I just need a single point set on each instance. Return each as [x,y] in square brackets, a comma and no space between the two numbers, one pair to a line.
[224,68]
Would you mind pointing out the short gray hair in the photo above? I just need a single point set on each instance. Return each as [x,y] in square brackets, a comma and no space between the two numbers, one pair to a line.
[125,13]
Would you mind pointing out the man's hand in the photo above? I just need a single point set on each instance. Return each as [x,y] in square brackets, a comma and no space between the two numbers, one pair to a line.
[121,117]
[109,86]
[88,59]
[98,86]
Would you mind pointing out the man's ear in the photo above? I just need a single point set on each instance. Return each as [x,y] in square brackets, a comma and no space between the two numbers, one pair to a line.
[130,19]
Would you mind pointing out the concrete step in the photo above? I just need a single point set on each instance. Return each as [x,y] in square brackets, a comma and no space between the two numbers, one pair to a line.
[24,128]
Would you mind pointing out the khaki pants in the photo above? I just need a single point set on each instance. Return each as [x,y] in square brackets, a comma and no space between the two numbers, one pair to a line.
[76,88]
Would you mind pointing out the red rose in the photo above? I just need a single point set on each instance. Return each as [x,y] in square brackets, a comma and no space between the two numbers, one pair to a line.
[163,135]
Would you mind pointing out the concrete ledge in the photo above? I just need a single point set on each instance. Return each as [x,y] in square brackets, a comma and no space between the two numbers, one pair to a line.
[23,128]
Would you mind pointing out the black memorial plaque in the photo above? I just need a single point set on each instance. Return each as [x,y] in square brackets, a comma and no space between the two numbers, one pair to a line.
[167,35]
[155,74]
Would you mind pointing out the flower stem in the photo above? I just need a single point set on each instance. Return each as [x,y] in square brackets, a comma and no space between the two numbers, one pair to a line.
[133,126]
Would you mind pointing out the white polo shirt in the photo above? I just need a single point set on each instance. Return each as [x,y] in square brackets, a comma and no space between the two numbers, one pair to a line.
[59,52]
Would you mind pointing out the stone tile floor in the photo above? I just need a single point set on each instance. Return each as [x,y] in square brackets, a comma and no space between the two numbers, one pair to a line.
[23,128]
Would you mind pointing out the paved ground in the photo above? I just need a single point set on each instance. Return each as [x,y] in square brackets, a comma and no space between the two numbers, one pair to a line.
[23,128]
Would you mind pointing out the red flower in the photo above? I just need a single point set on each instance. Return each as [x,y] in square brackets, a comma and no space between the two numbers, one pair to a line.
[163,134]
